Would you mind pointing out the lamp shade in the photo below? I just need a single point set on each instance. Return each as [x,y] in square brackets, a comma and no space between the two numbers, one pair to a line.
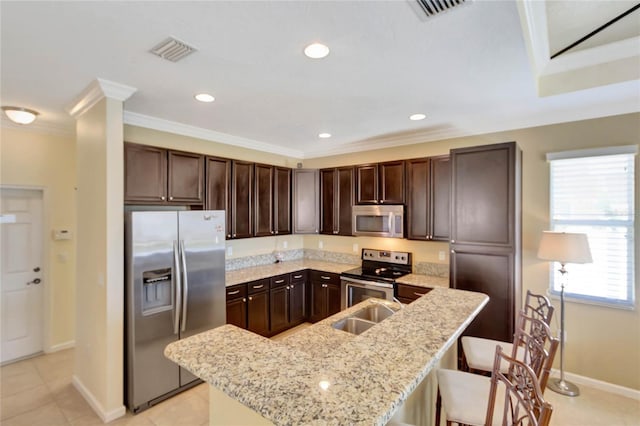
[564,247]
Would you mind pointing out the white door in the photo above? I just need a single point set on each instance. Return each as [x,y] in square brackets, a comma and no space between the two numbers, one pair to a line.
[21,296]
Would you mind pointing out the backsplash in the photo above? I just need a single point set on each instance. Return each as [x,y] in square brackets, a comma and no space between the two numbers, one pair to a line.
[422,268]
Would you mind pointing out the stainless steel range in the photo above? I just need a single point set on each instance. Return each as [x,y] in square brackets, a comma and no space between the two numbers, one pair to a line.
[376,277]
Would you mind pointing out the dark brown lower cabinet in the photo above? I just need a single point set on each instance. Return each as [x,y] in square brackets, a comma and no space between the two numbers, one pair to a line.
[324,295]
[237,305]
[287,299]
[409,293]
[297,305]
[258,307]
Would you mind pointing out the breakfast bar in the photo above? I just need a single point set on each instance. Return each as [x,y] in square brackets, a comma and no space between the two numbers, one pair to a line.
[325,375]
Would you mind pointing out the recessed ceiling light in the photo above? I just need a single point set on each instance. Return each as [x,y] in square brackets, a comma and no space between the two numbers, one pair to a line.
[20,115]
[204,97]
[324,135]
[316,51]
[416,117]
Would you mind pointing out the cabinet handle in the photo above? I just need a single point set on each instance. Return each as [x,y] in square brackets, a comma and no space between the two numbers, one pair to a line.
[244,299]
[228,235]
[324,286]
[418,294]
[453,241]
[250,298]
[325,277]
[272,232]
[297,276]
[233,292]
[276,232]
[279,281]
[256,286]
[287,287]
[234,235]
[170,198]
[453,251]
[163,198]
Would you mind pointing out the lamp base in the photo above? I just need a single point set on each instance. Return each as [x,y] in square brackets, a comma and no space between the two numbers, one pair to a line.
[563,387]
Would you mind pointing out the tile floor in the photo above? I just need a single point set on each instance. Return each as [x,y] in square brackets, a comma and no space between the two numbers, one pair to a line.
[38,391]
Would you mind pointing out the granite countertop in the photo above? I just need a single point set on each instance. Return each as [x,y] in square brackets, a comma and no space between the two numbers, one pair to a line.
[371,374]
[424,280]
[244,275]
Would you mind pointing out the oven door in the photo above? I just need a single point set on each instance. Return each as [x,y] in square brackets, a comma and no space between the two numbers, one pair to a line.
[355,291]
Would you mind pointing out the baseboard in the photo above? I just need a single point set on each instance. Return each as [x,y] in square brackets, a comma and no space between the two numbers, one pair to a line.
[61,346]
[599,384]
[106,416]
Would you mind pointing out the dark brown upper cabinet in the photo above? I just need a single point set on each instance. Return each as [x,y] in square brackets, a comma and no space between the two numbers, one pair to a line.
[282,200]
[428,184]
[241,199]
[218,187]
[263,205]
[381,183]
[336,198]
[158,176]
[306,185]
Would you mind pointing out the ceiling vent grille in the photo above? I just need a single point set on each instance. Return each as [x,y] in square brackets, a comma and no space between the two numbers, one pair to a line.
[173,49]
[435,7]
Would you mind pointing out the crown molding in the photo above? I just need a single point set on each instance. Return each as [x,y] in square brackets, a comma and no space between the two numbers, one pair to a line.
[96,91]
[141,120]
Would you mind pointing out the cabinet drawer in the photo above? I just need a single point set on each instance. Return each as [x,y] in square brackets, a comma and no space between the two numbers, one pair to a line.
[411,292]
[325,277]
[258,286]
[279,281]
[299,276]
[236,291]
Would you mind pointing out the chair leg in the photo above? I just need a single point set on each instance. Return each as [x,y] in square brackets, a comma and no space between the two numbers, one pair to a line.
[438,407]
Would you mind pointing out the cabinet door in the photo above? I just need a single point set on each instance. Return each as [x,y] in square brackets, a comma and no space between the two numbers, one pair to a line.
[493,275]
[258,313]
[391,189]
[327,200]
[145,173]
[483,195]
[218,188]
[279,308]
[418,200]
[282,200]
[237,312]
[344,201]
[440,198]
[333,299]
[186,177]
[367,184]
[318,302]
[242,199]
[306,185]
[297,297]
[263,205]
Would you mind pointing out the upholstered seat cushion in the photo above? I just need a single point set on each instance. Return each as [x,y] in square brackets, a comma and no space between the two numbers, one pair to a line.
[465,397]
[480,353]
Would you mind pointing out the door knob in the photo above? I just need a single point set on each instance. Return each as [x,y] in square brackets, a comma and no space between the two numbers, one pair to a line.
[36,281]
[36,269]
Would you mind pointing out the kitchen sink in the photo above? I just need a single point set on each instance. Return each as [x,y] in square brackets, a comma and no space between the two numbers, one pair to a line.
[353,325]
[375,313]
[363,319]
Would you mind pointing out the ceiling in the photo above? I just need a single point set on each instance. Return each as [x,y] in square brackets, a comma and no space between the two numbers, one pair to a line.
[471,70]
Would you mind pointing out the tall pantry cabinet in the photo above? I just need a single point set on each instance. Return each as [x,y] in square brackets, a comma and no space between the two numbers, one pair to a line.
[486,222]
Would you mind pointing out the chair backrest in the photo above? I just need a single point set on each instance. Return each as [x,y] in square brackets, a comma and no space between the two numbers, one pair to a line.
[535,346]
[516,394]
[538,306]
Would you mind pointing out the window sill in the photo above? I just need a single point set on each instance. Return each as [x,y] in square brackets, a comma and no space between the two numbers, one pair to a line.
[625,306]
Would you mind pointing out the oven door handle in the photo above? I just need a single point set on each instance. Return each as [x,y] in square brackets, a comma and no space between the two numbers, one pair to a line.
[365,282]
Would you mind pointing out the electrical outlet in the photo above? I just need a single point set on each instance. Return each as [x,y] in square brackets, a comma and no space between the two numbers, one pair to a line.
[320,245]
[285,244]
[355,247]
[441,255]
[230,251]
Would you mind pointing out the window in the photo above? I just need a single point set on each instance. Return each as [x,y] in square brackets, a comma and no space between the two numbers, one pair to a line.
[592,192]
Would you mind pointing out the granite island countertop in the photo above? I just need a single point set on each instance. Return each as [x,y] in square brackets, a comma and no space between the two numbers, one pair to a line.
[370,374]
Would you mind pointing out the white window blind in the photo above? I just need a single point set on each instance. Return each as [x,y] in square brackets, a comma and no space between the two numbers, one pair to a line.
[592,192]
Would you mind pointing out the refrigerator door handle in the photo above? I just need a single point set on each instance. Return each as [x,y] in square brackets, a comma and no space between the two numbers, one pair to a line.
[178,282]
[185,288]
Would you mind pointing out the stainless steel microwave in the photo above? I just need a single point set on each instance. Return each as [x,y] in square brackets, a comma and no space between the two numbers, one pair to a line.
[378,221]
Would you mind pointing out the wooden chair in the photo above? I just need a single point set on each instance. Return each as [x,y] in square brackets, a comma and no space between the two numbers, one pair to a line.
[465,396]
[478,353]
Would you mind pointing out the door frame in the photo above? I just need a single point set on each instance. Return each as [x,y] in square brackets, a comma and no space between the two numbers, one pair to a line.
[46,295]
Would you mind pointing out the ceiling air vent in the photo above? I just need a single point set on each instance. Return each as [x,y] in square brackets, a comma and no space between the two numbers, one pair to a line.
[173,49]
[434,7]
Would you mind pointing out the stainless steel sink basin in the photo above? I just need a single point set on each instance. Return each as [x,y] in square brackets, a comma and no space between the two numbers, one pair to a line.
[353,325]
[375,313]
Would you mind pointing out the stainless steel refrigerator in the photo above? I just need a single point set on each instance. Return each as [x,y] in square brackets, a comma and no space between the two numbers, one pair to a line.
[175,288]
